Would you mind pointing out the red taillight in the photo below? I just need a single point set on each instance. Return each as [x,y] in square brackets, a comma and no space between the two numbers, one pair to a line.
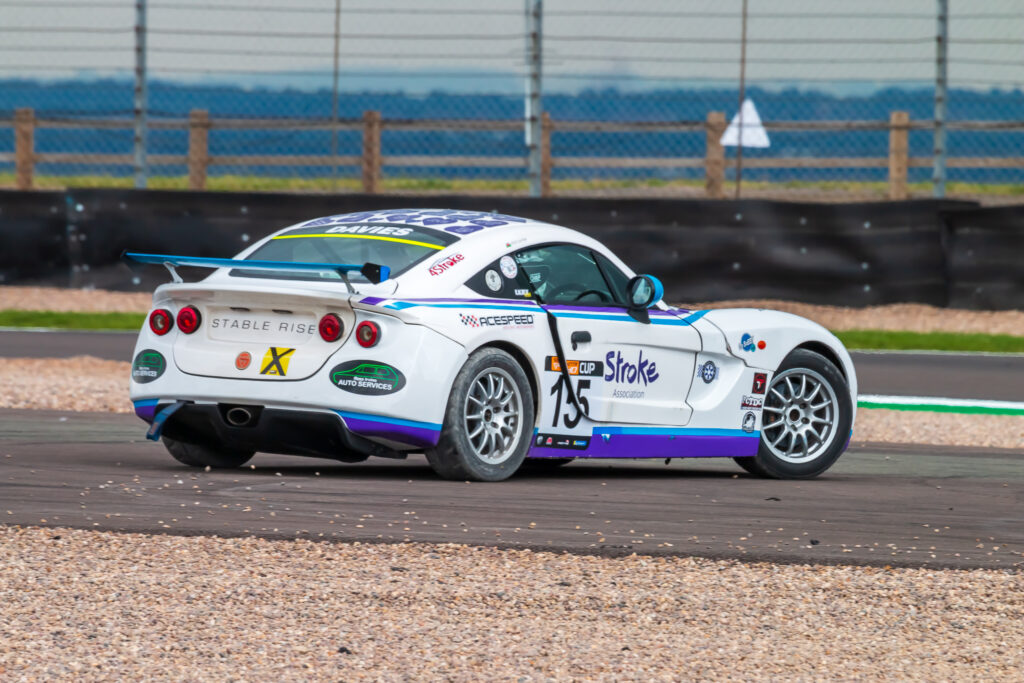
[330,327]
[160,321]
[189,319]
[367,334]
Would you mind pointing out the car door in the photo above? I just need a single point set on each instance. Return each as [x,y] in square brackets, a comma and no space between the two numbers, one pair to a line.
[621,369]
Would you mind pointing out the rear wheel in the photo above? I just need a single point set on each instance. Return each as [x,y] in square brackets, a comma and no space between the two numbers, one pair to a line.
[195,455]
[805,420]
[488,422]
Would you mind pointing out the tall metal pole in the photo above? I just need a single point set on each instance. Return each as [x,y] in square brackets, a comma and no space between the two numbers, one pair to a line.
[941,101]
[334,98]
[534,13]
[141,95]
[743,96]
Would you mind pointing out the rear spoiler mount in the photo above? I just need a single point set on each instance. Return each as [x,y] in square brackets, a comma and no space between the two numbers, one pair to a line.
[371,271]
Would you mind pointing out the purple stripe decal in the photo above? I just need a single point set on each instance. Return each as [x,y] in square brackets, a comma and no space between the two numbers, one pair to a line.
[555,308]
[371,300]
[531,303]
[146,411]
[657,446]
[414,436]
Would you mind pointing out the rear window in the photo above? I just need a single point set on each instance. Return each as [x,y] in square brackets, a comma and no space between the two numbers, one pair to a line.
[397,246]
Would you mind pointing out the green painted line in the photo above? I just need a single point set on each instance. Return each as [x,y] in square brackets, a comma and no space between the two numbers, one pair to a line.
[937,404]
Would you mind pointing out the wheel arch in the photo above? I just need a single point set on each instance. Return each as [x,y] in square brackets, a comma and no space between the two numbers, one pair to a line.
[828,352]
[523,359]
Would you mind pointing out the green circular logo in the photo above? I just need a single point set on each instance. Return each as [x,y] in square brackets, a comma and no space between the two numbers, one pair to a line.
[148,366]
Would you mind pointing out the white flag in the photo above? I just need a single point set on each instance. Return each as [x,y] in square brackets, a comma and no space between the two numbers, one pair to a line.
[754,134]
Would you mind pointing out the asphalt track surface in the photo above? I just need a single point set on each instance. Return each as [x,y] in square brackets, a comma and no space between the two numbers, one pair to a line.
[935,507]
[994,377]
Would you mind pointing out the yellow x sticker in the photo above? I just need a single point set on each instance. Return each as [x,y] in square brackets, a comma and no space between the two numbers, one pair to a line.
[275,361]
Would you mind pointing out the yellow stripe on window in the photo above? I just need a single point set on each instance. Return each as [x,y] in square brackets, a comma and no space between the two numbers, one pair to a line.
[362,237]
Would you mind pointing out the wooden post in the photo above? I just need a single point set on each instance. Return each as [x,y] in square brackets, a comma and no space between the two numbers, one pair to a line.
[371,152]
[899,122]
[198,148]
[546,126]
[714,156]
[24,148]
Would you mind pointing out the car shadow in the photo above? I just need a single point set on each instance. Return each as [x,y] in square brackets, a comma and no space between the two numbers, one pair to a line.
[417,470]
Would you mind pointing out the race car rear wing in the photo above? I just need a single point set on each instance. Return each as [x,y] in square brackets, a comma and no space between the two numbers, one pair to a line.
[371,271]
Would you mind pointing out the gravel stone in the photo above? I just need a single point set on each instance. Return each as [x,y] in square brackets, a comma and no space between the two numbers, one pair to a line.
[102,606]
[64,299]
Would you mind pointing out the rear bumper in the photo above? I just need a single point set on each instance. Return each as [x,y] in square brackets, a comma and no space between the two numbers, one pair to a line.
[318,433]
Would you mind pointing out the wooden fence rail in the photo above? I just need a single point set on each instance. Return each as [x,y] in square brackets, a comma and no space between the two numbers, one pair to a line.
[372,161]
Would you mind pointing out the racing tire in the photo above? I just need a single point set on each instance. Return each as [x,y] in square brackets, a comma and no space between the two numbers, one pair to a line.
[805,421]
[195,455]
[488,422]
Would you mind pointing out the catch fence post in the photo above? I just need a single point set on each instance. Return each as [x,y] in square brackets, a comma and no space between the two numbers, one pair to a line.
[546,127]
[899,123]
[714,156]
[24,148]
[371,152]
[198,148]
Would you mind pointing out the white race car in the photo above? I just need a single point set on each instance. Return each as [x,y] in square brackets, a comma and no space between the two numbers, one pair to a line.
[482,340]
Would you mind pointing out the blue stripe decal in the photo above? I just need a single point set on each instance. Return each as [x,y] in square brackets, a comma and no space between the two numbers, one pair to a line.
[146,403]
[673,431]
[390,420]
[623,317]
[694,317]
[688,320]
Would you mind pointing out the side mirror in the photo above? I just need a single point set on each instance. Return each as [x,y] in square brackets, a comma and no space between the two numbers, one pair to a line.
[643,291]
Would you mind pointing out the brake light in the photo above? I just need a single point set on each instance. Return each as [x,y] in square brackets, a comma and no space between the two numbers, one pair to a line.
[160,321]
[330,327]
[367,334]
[189,319]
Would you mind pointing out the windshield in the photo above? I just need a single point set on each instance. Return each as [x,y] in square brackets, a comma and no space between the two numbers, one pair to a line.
[397,246]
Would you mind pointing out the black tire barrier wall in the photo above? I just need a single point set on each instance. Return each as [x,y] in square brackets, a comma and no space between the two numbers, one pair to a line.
[935,252]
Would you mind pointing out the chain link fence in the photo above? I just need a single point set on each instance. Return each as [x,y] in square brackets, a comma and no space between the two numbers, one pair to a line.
[402,96]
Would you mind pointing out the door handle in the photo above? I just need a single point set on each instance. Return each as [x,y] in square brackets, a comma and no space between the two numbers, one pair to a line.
[580,337]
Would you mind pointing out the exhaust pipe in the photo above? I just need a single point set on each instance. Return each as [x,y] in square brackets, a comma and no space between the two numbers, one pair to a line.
[238,417]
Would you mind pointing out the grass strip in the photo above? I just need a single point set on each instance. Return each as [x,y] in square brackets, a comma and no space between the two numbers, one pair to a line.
[72,321]
[887,340]
[853,339]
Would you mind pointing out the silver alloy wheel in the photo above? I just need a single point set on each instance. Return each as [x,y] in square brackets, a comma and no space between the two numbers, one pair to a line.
[492,415]
[799,416]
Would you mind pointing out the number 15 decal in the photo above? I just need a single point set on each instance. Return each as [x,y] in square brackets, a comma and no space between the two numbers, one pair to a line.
[556,391]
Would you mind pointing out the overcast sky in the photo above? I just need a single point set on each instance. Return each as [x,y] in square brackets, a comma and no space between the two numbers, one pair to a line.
[643,43]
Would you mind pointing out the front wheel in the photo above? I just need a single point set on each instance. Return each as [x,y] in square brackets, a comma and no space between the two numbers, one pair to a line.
[805,420]
[488,422]
[195,455]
